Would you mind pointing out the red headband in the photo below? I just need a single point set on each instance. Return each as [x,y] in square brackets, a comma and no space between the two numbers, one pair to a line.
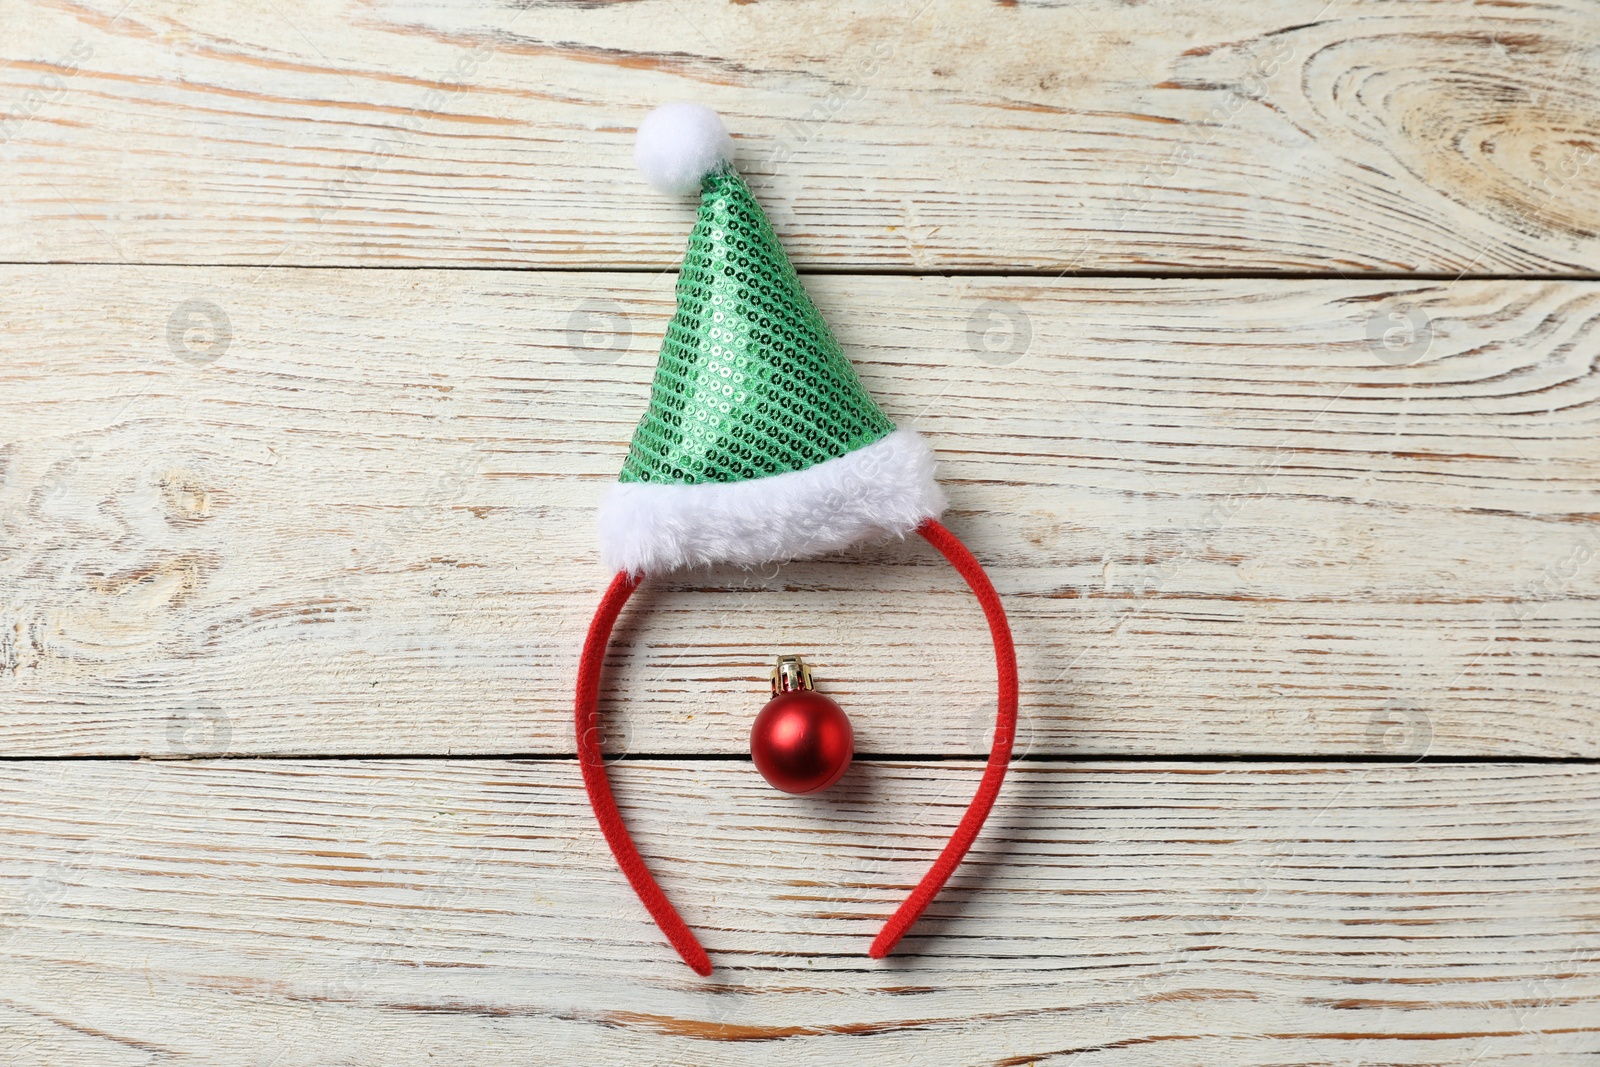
[622,846]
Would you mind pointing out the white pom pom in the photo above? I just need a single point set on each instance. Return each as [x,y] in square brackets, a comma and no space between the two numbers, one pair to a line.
[678,145]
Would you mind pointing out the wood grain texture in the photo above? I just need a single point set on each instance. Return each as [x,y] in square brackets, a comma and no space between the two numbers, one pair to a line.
[242,912]
[1225,518]
[325,515]
[1306,135]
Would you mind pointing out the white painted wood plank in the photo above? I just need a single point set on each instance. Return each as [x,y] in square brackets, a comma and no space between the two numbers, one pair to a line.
[1350,135]
[1220,521]
[244,912]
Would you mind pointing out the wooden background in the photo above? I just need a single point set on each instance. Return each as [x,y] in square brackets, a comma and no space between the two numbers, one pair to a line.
[1259,344]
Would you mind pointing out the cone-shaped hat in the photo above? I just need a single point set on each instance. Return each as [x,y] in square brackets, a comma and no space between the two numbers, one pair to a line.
[750,381]
[760,443]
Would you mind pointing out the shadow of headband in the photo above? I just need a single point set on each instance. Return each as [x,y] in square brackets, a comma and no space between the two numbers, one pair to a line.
[761,445]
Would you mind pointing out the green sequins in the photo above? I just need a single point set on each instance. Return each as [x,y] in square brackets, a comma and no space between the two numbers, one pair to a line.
[750,381]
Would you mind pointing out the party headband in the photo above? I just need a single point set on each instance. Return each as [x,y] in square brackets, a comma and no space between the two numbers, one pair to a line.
[760,445]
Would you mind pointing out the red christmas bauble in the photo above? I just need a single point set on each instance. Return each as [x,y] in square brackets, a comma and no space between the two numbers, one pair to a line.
[802,741]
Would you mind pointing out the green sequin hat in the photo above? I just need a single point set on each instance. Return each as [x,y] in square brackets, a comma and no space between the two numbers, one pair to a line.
[760,443]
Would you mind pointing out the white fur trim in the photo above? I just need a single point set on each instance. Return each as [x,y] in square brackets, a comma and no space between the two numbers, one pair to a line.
[679,144]
[885,489]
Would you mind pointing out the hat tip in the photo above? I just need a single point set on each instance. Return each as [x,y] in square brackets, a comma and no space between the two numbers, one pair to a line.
[679,144]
